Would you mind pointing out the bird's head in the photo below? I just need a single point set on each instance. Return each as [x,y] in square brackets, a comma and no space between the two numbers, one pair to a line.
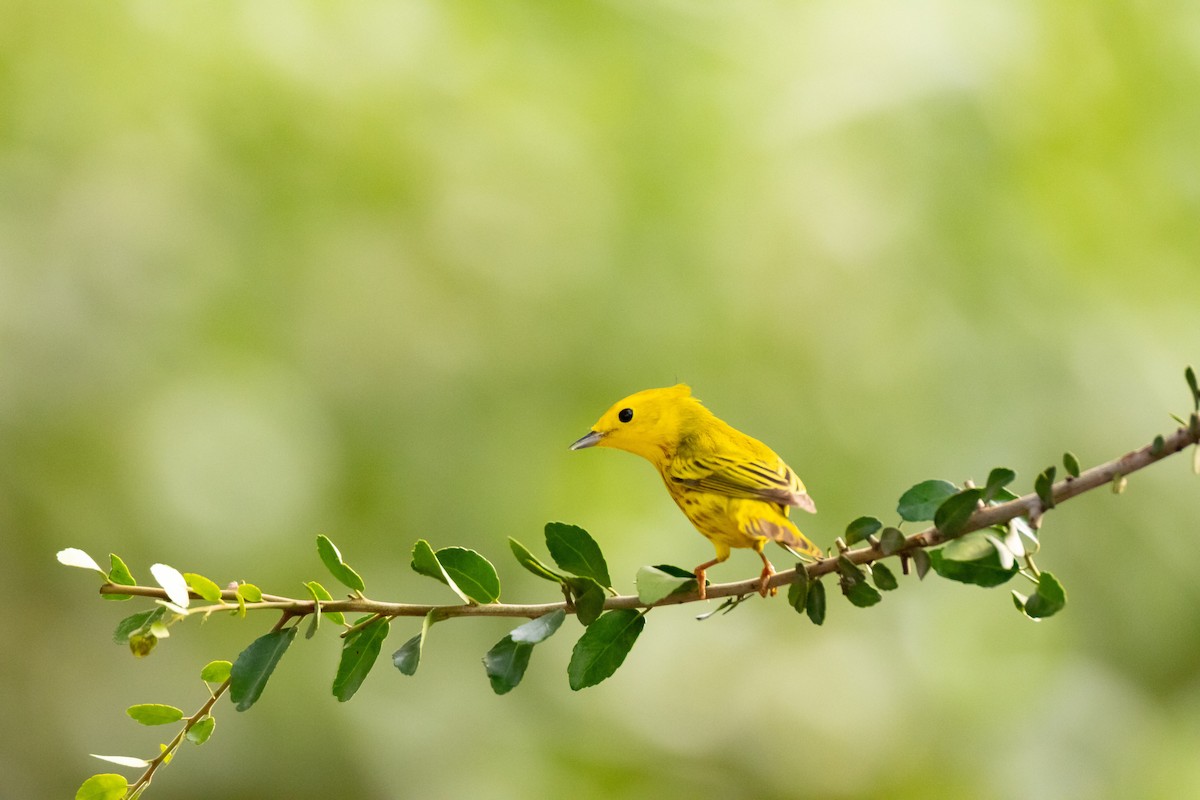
[647,424]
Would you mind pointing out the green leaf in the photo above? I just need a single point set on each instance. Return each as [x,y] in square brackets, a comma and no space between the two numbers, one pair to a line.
[172,582]
[107,786]
[998,478]
[254,666]
[798,590]
[74,557]
[322,595]
[955,511]
[1044,486]
[574,550]
[425,562]
[530,562]
[249,592]
[1190,375]
[891,541]
[1048,600]
[883,577]
[200,732]
[203,587]
[922,562]
[815,604]
[653,584]
[588,597]
[603,647]
[331,557]
[1158,445]
[1071,464]
[971,559]
[359,653]
[154,713]
[506,662]
[861,528]
[471,572]
[119,574]
[216,671]
[920,502]
[408,657]
[853,582]
[135,623]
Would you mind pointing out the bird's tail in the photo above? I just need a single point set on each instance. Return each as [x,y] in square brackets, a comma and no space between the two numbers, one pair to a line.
[787,535]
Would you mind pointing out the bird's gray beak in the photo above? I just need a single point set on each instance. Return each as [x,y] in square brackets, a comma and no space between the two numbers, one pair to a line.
[591,440]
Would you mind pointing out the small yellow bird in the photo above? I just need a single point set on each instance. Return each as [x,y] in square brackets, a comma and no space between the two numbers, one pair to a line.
[733,488]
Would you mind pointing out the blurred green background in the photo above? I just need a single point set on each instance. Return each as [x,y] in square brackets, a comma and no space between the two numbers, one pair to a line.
[275,269]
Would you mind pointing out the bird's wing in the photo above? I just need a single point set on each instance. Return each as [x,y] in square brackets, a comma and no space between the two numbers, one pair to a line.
[735,477]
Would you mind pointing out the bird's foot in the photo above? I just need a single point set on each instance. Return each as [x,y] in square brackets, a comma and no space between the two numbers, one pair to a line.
[701,582]
[767,572]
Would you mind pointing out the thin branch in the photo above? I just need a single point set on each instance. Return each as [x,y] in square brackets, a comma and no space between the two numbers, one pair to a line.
[204,710]
[1029,506]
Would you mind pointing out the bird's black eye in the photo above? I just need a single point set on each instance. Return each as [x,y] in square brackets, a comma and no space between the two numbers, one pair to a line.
[625,414]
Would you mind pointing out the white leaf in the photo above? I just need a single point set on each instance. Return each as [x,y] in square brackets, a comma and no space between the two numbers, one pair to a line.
[170,579]
[74,557]
[1006,555]
[124,761]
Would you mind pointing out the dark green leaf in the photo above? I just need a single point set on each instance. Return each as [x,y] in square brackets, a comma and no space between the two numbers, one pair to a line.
[331,557]
[922,562]
[1003,496]
[254,666]
[853,582]
[998,478]
[216,671]
[1048,600]
[883,577]
[955,511]
[359,653]
[1190,375]
[860,593]
[589,598]
[1044,486]
[408,657]
[1071,464]
[203,586]
[653,584]
[119,574]
[530,562]
[574,550]
[798,590]
[891,541]
[815,604]
[107,786]
[861,528]
[471,572]
[603,646]
[678,572]
[971,559]
[154,714]
[135,623]
[1157,446]
[920,502]
[506,662]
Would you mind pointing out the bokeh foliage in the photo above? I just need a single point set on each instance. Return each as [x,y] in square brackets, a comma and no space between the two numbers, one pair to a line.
[269,270]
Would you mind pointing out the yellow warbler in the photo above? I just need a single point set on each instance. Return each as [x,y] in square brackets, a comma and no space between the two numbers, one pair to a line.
[733,488]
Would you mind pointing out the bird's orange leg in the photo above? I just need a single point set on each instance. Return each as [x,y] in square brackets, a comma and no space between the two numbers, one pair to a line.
[767,572]
[701,580]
